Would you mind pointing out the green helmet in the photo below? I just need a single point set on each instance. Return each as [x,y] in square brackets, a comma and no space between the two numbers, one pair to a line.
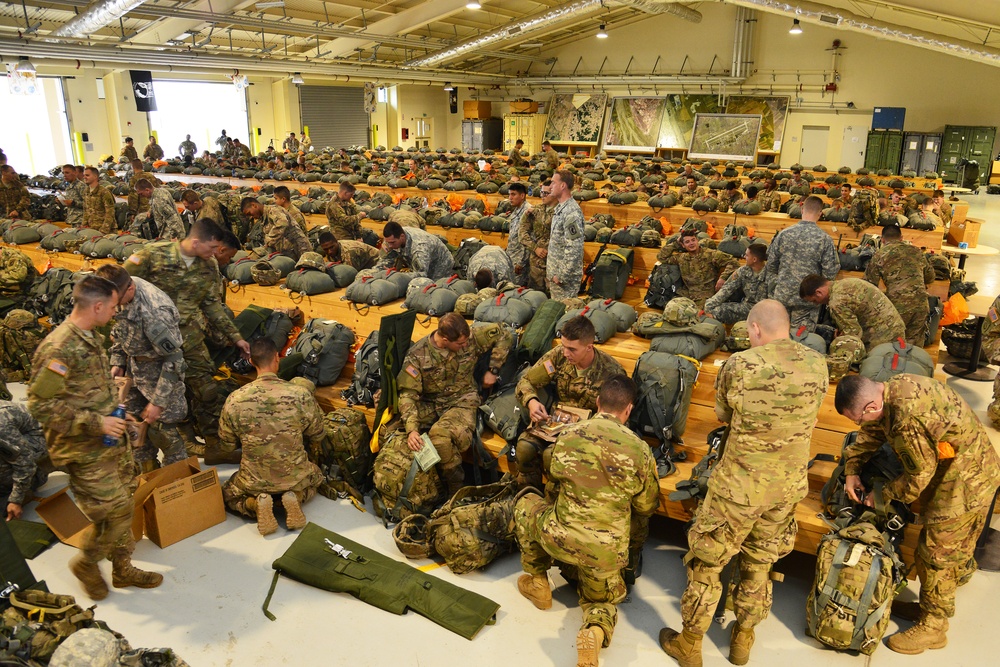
[681,312]
[845,351]
[263,273]
[311,260]
[738,338]
[18,319]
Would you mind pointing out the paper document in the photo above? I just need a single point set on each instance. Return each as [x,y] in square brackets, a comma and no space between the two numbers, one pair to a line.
[427,457]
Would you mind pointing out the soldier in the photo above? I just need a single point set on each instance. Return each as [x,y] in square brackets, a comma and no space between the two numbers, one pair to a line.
[690,192]
[208,208]
[73,195]
[470,174]
[796,181]
[187,150]
[358,254]
[128,150]
[533,232]
[578,370]
[564,262]
[895,206]
[586,524]
[162,221]
[188,273]
[305,143]
[845,199]
[926,210]
[269,419]
[858,308]
[153,151]
[770,396]
[407,217]
[24,460]
[906,273]
[551,157]
[703,270]
[517,195]
[729,196]
[941,208]
[228,247]
[147,347]
[689,172]
[514,155]
[437,392]
[290,144]
[15,201]
[769,198]
[98,203]
[138,203]
[343,215]
[241,151]
[796,252]
[72,395]
[283,198]
[281,234]
[748,283]
[948,462]
[493,260]
[425,255]
[222,141]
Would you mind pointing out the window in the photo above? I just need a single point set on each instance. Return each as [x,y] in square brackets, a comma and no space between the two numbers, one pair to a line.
[200,109]
[36,134]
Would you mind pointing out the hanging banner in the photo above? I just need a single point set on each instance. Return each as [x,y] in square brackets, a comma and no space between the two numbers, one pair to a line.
[142,89]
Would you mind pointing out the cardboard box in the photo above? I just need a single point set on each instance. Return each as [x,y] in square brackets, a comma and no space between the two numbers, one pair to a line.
[524,106]
[474,109]
[966,231]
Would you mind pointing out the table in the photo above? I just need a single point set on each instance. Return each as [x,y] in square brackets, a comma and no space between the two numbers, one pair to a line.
[953,190]
[980,249]
[979,305]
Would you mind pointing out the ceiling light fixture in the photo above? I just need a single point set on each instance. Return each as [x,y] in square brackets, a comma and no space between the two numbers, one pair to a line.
[269,5]
[602,33]
[473,5]
[24,66]
[297,79]
[448,87]
[796,29]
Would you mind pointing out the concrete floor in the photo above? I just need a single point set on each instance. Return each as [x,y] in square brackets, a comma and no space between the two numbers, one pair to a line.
[208,608]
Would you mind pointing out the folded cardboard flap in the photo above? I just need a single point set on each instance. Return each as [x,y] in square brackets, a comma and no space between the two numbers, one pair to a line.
[64,518]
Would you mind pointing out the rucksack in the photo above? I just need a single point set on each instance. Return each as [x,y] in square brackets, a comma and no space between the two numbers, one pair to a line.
[664,281]
[611,273]
[540,331]
[623,198]
[402,488]
[704,338]
[604,322]
[366,380]
[882,467]
[864,210]
[310,281]
[810,339]
[466,249]
[505,309]
[624,314]
[665,382]
[345,456]
[628,236]
[379,288]
[889,359]
[238,272]
[20,336]
[52,295]
[21,233]
[324,346]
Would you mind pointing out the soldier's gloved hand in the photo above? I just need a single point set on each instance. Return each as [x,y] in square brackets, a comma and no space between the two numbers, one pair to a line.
[414,441]
[13,511]
[117,372]
[537,411]
[152,413]
[244,348]
[855,489]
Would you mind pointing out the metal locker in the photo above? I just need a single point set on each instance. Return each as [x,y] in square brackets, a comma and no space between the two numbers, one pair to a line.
[913,142]
[874,149]
[892,151]
[930,153]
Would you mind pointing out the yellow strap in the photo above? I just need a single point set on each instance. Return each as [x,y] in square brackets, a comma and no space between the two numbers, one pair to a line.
[430,566]
[697,367]
[617,254]
[386,416]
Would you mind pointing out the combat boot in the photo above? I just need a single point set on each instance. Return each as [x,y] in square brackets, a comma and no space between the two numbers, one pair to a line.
[90,576]
[740,644]
[589,642]
[124,574]
[684,647]
[536,588]
[910,611]
[294,518]
[266,523]
[929,632]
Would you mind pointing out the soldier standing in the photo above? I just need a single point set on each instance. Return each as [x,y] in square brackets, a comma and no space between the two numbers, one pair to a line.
[564,262]
[161,221]
[578,370]
[740,516]
[906,273]
[749,282]
[72,394]
[948,462]
[147,347]
[98,204]
[281,234]
[153,151]
[425,255]
[437,392]
[222,141]
[290,144]
[796,252]
[517,195]
[73,195]
[703,270]
[587,524]
[187,150]
[128,150]
[859,308]
[533,232]
[24,460]
[269,419]
[358,254]
[15,201]
[189,274]
[343,215]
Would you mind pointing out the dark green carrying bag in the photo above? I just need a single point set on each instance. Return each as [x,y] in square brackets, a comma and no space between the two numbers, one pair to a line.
[326,560]
[14,570]
[610,276]
[540,331]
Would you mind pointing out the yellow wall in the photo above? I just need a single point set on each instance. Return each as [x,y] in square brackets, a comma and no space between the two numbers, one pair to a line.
[88,113]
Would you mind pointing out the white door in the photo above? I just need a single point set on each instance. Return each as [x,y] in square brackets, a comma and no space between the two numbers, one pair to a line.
[852,151]
[813,147]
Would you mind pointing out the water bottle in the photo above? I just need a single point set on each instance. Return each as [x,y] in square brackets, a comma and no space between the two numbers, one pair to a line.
[110,440]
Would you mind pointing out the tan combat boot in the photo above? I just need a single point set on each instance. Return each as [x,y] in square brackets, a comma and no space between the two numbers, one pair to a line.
[589,642]
[684,647]
[124,574]
[929,632]
[740,644]
[90,576]
[910,611]
[266,523]
[536,588]
[294,518]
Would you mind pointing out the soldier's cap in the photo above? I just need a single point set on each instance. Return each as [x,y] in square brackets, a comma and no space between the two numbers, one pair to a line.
[680,312]
[311,260]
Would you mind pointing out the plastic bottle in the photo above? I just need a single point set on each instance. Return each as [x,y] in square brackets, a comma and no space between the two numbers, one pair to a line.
[110,440]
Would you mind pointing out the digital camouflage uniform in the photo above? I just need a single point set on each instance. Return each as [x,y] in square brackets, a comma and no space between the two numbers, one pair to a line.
[565,258]
[281,234]
[270,419]
[515,247]
[700,270]
[493,258]
[345,222]
[533,233]
[600,476]
[438,394]
[14,197]
[424,254]
[573,387]
[129,152]
[954,491]
[686,195]
[906,272]
[991,348]
[165,217]
[99,210]
[796,252]
[742,284]
[770,396]
[187,148]
[861,309]
[70,393]
[76,192]
[195,291]
[769,200]
[136,203]
[147,344]
[152,152]
[358,254]
[24,464]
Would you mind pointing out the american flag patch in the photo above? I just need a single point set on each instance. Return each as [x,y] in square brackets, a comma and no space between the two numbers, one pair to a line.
[992,313]
[550,367]
[134,259]
[57,366]
[411,371]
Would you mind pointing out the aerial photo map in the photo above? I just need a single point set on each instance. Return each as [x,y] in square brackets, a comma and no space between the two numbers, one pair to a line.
[634,123]
[575,119]
[724,137]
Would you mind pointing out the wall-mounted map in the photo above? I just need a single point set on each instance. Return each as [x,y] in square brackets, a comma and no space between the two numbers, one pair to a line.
[722,136]
[575,119]
[678,118]
[634,123]
[773,112]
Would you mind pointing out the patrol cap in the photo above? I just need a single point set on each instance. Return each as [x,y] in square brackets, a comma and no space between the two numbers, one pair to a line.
[681,312]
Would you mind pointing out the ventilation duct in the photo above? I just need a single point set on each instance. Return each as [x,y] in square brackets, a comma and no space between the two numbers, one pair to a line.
[95,17]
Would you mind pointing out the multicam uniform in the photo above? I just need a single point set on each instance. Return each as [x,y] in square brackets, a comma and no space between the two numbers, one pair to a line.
[862,310]
[14,197]
[991,348]
[345,222]
[153,152]
[533,233]
[358,254]
[99,210]
[281,234]
[700,270]
[906,273]
[136,203]
[769,200]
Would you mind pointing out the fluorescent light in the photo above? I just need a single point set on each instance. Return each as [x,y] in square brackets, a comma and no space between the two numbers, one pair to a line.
[270,4]
[297,79]
[473,5]
[449,87]
[602,33]
[796,29]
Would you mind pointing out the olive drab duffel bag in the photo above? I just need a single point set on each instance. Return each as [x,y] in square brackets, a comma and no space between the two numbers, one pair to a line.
[379,288]
[324,346]
[611,273]
[310,276]
[697,340]
[889,359]
[431,300]
[540,331]
[665,382]
[345,456]
[238,272]
[402,488]
[624,314]
[504,309]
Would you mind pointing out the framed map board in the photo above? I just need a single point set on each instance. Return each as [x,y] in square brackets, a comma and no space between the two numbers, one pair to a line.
[575,119]
[678,118]
[722,136]
[634,123]
[773,112]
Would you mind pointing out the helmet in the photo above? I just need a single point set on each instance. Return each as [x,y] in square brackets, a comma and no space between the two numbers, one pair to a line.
[263,273]
[311,260]
[844,352]
[303,382]
[18,319]
[681,312]
[738,338]
[410,536]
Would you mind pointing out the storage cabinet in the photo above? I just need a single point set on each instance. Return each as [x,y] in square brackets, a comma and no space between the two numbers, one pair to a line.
[884,150]
[971,143]
[480,135]
[527,127]
[921,152]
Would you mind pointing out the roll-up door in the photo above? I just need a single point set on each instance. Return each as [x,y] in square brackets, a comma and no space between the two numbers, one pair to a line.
[335,116]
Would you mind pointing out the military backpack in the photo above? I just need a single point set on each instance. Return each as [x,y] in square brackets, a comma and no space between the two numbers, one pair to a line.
[324,346]
[345,456]
[540,331]
[505,309]
[402,488]
[611,272]
[310,281]
[52,294]
[604,322]
[665,383]
[664,282]
[466,249]
[624,314]
[20,335]
[366,380]
[378,288]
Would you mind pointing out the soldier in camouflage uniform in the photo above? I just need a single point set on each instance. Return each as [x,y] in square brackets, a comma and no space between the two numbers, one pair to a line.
[941,208]
[17,273]
[14,198]
[845,199]
[358,254]
[586,523]
[770,396]
[551,156]
[209,207]
[281,234]
[690,192]
[343,215]
[187,150]
[703,270]
[470,174]
[493,260]
[98,204]
[415,250]
[769,198]
[533,232]
[72,395]
[514,155]
[153,151]
[73,195]
[128,150]
[283,199]
[949,464]
[147,347]
[748,283]
[517,194]
[578,370]
[138,203]
[564,261]
[858,308]
[407,217]
[195,290]
[438,394]
[729,196]
[796,252]
[906,273]
[24,460]
[991,348]
[269,419]
[162,214]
